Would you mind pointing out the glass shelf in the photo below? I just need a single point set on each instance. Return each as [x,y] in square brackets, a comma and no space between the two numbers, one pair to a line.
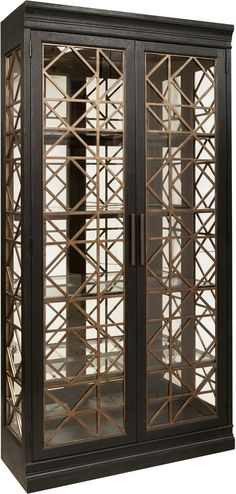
[89,209]
[178,356]
[109,137]
[195,410]
[72,282]
[174,282]
[109,363]
[109,400]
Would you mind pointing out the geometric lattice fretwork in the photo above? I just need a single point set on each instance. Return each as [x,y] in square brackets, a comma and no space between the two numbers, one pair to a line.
[83,243]
[180,229]
[13,244]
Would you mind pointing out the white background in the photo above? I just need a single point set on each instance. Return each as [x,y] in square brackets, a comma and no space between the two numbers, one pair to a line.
[209,474]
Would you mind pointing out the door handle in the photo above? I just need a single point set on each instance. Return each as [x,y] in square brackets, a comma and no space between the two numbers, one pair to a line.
[132,239]
[142,239]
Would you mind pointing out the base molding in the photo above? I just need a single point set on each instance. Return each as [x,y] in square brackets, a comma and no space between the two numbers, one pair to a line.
[87,471]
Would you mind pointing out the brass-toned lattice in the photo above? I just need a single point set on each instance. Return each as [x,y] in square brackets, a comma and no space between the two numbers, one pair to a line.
[84,243]
[13,244]
[180,247]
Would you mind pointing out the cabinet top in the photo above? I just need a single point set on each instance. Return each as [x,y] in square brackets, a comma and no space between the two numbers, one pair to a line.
[54,17]
[40,7]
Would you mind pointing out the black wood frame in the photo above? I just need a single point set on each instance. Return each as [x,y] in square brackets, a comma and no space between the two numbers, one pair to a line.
[222,326]
[26,28]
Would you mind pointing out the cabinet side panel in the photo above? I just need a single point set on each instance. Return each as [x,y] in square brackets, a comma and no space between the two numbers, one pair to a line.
[12,123]
[13,316]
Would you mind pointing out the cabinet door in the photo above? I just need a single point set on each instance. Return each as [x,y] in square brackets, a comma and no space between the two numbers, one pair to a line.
[184,214]
[83,282]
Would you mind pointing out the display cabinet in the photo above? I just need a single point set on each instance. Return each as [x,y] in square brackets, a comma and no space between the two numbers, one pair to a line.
[116,242]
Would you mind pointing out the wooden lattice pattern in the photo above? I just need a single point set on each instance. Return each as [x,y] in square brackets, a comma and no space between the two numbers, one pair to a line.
[13,244]
[180,249]
[83,224]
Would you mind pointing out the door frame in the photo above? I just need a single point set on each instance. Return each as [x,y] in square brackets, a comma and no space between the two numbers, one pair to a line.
[39,452]
[223,235]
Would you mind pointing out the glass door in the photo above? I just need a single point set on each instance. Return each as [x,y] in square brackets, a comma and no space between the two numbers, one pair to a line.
[180,240]
[86,266]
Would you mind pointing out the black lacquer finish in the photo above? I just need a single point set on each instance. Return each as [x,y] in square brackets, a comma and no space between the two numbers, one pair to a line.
[112,430]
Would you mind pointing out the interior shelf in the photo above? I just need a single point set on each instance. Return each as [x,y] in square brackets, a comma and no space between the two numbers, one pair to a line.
[165,280]
[179,355]
[110,362]
[108,137]
[72,282]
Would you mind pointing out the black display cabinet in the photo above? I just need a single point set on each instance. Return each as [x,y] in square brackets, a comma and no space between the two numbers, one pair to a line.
[116,242]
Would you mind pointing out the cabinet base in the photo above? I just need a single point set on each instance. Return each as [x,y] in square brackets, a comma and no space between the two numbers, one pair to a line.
[131,461]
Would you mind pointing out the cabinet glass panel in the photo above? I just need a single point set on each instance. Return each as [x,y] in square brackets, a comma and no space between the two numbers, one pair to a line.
[180,239]
[83,120]
[13,245]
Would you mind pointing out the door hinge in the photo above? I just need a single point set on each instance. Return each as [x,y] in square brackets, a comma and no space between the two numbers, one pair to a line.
[226,64]
[30,49]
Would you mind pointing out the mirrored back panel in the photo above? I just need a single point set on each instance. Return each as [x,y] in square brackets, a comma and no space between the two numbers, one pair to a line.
[83,175]
[180,239]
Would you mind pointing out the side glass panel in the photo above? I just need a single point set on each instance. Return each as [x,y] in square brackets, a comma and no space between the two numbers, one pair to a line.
[180,233]
[13,244]
[84,338]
